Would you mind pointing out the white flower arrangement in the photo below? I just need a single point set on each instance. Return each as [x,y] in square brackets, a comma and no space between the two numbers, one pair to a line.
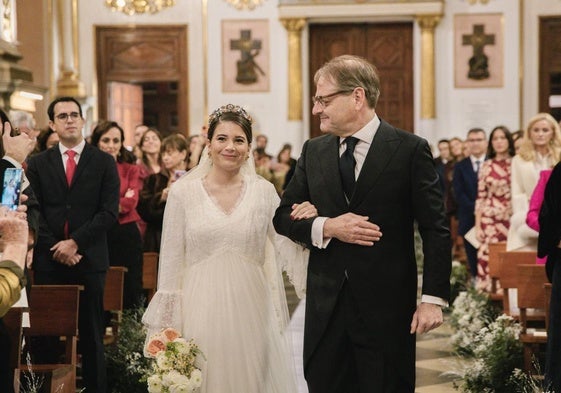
[173,369]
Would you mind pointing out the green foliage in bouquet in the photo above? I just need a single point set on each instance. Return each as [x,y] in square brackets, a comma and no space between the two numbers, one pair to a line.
[126,364]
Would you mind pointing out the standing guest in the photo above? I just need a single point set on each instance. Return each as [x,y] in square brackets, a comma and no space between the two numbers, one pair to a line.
[219,280]
[465,190]
[123,239]
[154,194]
[536,201]
[14,150]
[281,167]
[549,241]
[540,150]
[261,141]
[77,187]
[151,160]
[444,155]
[493,207]
[517,137]
[365,177]
[196,146]
[450,204]
[139,130]
[47,138]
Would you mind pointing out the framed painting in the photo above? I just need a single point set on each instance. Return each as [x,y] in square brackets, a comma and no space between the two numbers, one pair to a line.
[478,50]
[245,55]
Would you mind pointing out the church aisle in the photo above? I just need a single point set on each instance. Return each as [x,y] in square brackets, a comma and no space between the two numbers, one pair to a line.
[434,356]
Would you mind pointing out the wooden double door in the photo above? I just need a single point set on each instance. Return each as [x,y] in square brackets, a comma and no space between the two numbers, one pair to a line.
[389,46]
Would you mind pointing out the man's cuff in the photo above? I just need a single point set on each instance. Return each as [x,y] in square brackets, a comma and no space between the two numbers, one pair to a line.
[317,233]
[434,300]
[12,161]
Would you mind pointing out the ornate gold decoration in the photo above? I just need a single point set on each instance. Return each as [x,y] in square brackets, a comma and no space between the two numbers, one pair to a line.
[427,24]
[480,1]
[243,4]
[131,7]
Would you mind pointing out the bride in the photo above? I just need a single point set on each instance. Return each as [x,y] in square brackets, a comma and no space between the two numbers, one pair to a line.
[220,278]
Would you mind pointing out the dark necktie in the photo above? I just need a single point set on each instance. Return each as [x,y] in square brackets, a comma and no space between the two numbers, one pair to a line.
[347,167]
[477,164]
[70,166]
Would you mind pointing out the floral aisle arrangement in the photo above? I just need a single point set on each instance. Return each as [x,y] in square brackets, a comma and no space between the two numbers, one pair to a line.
[471,312]
[498,361]
[458,279]
[126,364]
[173,367]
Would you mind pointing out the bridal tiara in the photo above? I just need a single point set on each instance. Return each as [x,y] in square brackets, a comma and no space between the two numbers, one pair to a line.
[230,108]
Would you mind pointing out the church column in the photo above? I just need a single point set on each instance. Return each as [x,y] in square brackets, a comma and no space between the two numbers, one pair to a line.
[294,28]
[66,40]
[427,24]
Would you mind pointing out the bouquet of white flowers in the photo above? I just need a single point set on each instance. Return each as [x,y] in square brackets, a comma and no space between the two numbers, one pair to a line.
[173,369]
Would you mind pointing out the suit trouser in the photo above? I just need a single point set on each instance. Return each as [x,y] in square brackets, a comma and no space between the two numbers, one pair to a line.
[6,372]
[352,358]
[91,322]
[553,351]
[471,255]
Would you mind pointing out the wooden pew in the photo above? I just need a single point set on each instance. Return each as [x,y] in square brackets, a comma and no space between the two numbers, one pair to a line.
[508,276]
[494,249]
[13,323]
[113,300]
[531,295]
[53,312]
[150,273]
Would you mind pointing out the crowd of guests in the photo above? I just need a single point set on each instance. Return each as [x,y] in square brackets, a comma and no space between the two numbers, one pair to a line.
[493,187]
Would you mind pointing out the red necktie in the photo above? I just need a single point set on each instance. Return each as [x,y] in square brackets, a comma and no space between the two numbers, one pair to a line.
[70,166]
[70,169]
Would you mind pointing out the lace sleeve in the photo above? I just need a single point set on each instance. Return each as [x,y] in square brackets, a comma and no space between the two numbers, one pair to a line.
[291,257]
[164,309]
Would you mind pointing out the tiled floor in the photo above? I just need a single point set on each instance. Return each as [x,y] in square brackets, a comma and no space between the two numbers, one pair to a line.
[434,358]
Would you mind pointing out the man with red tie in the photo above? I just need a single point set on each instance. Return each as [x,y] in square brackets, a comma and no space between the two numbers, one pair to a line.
[77,186]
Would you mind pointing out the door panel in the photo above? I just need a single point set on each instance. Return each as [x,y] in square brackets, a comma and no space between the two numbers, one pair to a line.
[388,46]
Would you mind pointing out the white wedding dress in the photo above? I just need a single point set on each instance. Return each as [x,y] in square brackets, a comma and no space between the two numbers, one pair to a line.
[220,283]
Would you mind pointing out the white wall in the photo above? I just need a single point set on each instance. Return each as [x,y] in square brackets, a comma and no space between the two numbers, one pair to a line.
[457,109]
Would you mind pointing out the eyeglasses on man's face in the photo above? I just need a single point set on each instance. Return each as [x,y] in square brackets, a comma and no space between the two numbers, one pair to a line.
[65,116]
[321,100]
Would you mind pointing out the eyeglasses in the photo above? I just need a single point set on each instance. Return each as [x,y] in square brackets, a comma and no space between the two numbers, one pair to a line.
[321,99]
[64,116]
[476,140]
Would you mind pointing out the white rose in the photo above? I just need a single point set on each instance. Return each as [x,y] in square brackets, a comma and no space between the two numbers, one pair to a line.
[154,384]
[162,361]
[196,378]
[174,378]
[179,388]
[182,345]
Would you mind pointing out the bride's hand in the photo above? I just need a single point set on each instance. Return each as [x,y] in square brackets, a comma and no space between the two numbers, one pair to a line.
[304,210]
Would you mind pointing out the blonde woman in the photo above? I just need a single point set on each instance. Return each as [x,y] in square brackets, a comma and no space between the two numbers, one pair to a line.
[539,150]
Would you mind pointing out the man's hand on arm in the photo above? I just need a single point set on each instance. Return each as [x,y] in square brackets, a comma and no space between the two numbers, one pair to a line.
[427,317]
[352,228]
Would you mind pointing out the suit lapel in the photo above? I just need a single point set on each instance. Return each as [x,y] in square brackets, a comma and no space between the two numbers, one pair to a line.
[329,163]
[382,149]
[55,159]
[83,162]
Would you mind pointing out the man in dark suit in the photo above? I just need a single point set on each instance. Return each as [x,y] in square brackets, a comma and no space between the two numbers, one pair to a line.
[361,312]
[465,190]
[75,216]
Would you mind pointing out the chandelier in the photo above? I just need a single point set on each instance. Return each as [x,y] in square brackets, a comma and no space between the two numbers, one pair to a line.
[131,7]
[242,4]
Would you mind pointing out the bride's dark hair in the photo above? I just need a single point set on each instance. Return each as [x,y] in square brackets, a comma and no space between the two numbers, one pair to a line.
[235,114]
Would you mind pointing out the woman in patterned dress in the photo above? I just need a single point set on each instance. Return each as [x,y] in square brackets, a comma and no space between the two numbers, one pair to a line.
[493,205]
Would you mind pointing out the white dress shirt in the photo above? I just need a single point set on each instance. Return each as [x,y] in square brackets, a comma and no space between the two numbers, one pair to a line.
[79,148]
